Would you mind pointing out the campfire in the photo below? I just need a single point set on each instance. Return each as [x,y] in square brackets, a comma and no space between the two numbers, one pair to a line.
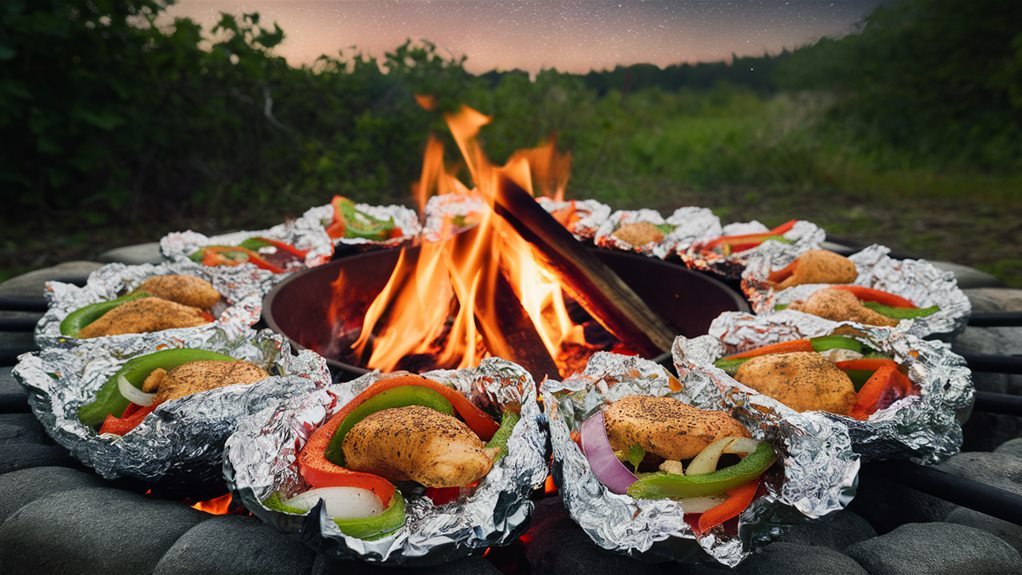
[517,285]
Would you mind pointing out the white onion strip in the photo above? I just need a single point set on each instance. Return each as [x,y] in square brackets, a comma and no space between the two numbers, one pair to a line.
[340,502]
[134,394]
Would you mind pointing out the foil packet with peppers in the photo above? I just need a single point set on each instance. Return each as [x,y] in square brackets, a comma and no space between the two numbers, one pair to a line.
[284,248]
[363,225]
[582,218]
[182,439]
[452,213]
[917,280]
[647,232]
[241,292]
[920,424]
[262,463]
[814,474]
[728,252]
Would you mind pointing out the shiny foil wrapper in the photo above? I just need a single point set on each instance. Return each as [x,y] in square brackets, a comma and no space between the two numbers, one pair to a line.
[182,440]
[261,459]
[804,236]
[819,467]
[923,428]
[404,218]
[241,289]
[690,224]
[917,280]
[303,233]
[591,215]
[443,211]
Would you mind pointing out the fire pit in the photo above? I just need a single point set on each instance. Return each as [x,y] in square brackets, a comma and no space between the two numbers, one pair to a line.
[299,307]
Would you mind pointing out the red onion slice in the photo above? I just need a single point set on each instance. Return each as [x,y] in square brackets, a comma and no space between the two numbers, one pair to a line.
[607,467]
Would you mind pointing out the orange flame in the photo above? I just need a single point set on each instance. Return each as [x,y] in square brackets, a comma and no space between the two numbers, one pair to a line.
[216,506]
[549,487]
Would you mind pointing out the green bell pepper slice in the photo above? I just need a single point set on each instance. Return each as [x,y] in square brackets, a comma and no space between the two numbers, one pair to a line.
[72,325]
[368,528]
[109,400]
[359,224]
[404,396]
[499,439]
[662,485]
[901,312]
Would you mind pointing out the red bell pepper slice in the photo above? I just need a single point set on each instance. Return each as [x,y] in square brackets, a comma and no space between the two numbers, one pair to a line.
[775,348]
[748,241]
[883,388]
[866,364]
[285,247]
[881,297]
[221,256]
[130,419]
[738,500]
[783,273]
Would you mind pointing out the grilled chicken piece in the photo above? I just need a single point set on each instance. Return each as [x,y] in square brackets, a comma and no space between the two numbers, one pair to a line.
[143,316]
[820,267]
[666,427]
[198,376]
[185,290]
[418,444]
[804,381]
[639,233]
[838,305]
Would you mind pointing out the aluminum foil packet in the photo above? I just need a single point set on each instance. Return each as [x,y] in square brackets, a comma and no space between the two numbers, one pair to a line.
[803,236]
[404,218]
[452,213]
[819,473]
[917,280]
[182,440]
[591,215]
[304,234]
[680,228]
[241,289]
[261,459]
[923,427]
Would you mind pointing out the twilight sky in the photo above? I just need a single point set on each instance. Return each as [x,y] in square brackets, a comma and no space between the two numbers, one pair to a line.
[568,35]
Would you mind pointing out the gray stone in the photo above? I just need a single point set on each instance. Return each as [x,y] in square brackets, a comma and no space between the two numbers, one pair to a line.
[995,299]
[1011,447]
[468,566]
[32,283]
[92,530]
[968,277]
[784,558]
[1009,532]
[836,531]
[14,456]
[13,344]
[134,255]
[19,488]
[13,397]
[18,428]
[936,548]
[887,504]
[236,545]
[997,469]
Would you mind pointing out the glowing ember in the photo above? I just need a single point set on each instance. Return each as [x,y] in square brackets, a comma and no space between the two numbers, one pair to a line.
[216,506]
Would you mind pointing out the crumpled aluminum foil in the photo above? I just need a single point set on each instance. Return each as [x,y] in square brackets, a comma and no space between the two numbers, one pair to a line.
[922,428]
[403,217]
[804,236]
[917,280]
[261,458]
[591,215]
[690,223]
[819,468]
[242,289]
[442,208]
[304,234]
[182,440]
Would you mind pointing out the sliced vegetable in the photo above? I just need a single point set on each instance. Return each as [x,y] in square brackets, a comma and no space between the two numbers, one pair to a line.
[134,394]
[128,421]
[606,466]
[883,388]
[499,439]
[350,222]
[738,500]
[734,244]
[368,528]
[731,363]
[635,456]
[901,312]
[774,348]
[828,342]
[257,243]
[700,504]
[81,317]
[669,486]
[706,460]
[867,294]
[232,256]
[340,502]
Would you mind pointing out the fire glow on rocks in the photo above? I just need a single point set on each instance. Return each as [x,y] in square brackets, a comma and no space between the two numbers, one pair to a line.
[478,293]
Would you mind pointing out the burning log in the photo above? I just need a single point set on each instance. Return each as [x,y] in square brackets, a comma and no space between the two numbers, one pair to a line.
[595,286]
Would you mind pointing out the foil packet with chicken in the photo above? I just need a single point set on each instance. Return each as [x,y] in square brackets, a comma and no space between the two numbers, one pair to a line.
[119,301]
[449,214]
[647,471]
[649,233]
[728,252]
[397,468]
[898,395]
[582,218]
[159,407]
[364,226]
[868,287]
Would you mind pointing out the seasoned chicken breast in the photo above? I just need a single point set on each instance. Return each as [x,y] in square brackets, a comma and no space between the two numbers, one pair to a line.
[838,305]
[185,290]
[198,376]
[820,267]
[666,427]
[419,444]
[639,233]
[804,381]
[143,316]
